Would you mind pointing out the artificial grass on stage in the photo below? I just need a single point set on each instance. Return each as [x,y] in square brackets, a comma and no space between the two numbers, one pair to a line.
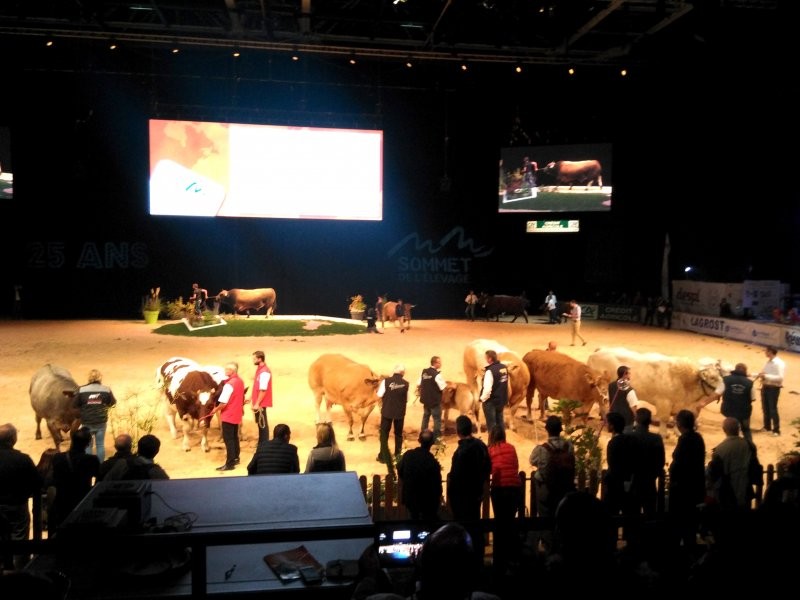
[253,327]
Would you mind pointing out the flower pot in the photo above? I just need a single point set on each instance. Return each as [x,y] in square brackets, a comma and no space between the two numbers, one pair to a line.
[151,316]
[357,315]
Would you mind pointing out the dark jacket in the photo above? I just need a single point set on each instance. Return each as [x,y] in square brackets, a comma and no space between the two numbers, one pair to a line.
[738,396]
[274,457]
[421,475]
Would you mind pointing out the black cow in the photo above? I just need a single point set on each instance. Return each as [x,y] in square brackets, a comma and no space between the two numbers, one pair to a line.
[508,305]
[567,172]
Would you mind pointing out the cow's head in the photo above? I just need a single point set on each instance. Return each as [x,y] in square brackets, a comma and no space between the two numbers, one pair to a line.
[598,384]
[711,384]
[222,294]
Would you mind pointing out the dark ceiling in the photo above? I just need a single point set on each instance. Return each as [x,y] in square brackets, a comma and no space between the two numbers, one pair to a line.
[556,32]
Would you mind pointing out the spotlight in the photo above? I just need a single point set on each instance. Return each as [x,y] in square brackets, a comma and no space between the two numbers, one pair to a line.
[49,43]
[624,72]
[571,71]
[518,69]
[464,67]
[409,64]
[176,50]
[236,54]
[112,46]
[352,60]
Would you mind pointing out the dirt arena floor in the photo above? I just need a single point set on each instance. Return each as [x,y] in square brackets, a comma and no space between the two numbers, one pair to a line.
[128,353]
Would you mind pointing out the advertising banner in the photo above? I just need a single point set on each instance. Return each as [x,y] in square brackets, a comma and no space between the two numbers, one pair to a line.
[629,314]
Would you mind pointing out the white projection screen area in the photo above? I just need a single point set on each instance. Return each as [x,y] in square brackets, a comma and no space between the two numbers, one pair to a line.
[265,171]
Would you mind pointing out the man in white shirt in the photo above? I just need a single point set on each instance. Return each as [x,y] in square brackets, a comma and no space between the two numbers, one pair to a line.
[574,315]
[771,377]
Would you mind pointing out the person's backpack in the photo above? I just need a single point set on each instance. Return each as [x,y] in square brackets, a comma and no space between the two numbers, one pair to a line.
[559,474]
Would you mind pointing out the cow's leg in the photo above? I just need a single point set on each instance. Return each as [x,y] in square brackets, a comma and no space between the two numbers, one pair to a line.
[55,433]
[38,427]
[187,428]
[169,415]
[542,405]
[525,314]
[204,438]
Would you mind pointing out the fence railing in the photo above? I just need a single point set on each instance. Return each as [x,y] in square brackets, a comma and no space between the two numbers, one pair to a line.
[385,505]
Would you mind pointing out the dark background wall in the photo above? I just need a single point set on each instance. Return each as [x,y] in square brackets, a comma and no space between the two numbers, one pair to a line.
[699,153]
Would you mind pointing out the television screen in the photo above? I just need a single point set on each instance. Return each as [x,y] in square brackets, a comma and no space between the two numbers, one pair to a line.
[235,170]
[563,178]
[6,173]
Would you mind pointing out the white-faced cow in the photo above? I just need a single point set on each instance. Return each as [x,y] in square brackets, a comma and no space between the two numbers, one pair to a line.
[459,396]
[571,173]
[52,392]
[518,375]
[242,300]
[669,383]
[556,375]
[390,313]
[336,379]
[189,393]
[504,305]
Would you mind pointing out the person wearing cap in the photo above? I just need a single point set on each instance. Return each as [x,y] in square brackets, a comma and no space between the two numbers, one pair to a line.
[394,394]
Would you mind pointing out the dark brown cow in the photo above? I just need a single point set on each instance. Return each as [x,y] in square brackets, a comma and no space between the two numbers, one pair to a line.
[556,375]
[52,392]
[571,173]
[504,305]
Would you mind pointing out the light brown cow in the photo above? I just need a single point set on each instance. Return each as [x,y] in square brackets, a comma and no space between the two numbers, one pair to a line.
[459,396]
[337,379]
[390,315]
[556,375]
[247,300]
[669,383]
[518,374]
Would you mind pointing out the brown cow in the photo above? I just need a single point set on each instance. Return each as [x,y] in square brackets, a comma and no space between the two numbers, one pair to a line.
[247,300]
[52,392]
[518,375]
[190,393]
[459,396]
[556,375]
[390,314]
[337,379]
[571,173]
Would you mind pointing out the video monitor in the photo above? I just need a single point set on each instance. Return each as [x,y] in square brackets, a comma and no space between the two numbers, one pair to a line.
[558,178]
[265,171]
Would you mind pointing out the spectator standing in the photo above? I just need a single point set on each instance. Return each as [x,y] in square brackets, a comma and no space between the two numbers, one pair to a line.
[261,395]
[574,315]
[622,397]
[494,392]
[123,444]
[326,455]
[649,464]
[551,306]
[231,400]
[620,457]
[372,320]
[430,387]
[687,487]
[771,377]
[93,400]
[470,468]
[738,398]
[546,499]
[379,310]
[506,494]
[277,455]
[421,476]
[471,301]
[394,393]
[728,470]
[73,476]
[19,481]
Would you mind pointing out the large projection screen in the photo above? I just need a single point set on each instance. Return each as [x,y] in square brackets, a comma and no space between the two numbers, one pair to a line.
[265,171]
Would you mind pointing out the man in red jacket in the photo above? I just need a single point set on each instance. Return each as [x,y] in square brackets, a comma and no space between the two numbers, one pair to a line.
[232,400]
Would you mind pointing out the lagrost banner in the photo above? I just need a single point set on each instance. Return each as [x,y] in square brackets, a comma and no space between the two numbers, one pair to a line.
[763,334]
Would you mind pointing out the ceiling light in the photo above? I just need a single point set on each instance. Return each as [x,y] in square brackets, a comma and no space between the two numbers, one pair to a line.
[112,46]
[571,71]
[464,66]
[624,72]
[518,69]
[175,50]
[49,43]
[236,54]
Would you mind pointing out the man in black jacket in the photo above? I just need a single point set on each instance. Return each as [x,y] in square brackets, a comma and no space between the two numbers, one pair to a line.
[394,392]
[421,475]
[276,455]
[738,397]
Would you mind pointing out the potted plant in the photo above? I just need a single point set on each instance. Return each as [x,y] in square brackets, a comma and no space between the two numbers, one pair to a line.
[357,307]
[152,306]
